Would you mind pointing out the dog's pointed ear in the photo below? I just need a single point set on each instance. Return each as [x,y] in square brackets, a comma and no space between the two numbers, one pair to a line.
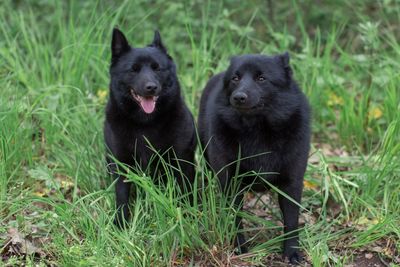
[119,44]
[233,59]
[285,62]
[228,73]
[157,42]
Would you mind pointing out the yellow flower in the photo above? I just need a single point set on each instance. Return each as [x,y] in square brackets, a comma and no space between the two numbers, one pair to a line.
[39,194]
[375,113]
[334,100]
[101,95]
[66,184]
[310,185]
[367,221]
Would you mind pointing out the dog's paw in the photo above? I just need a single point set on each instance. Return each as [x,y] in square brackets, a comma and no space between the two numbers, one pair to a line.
[293,256]
[241,249]
[120,221]
[240,245]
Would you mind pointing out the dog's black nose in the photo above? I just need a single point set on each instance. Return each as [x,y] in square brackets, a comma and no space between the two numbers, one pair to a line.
[240,97]
[151,87]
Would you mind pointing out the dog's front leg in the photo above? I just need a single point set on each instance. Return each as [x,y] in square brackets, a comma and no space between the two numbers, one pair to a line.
[226,185]
[290,212]
[122,191]
[239,240]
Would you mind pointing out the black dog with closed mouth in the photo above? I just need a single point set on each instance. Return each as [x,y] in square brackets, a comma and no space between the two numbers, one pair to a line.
[145,105]
[256,109]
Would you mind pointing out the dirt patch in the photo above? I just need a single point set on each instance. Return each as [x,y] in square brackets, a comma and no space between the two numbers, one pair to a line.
[368,260]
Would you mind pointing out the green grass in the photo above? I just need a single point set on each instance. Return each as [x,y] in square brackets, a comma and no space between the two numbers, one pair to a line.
[54,189]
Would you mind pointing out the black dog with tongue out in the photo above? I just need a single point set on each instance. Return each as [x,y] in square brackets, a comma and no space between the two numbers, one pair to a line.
[145,109]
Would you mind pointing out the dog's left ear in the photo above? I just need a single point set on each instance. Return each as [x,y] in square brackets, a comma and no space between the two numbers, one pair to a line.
[285,62]
[157,42]
[119,44]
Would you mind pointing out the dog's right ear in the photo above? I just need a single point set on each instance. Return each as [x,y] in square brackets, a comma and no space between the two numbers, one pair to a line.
[119,44]
[285,62]
[233,59]
[157,42]
[228,73]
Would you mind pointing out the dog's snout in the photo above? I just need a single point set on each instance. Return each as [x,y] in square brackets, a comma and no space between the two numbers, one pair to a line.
[151,87]
[240,97]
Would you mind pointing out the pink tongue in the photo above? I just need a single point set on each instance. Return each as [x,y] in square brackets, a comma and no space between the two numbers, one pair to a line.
[148,104]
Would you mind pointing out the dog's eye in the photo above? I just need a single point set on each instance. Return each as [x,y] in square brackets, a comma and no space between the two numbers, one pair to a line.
[155,66]
[260,78]
[136,68]
[235,78]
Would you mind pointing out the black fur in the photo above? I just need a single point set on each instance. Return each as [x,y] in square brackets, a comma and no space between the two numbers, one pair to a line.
[257,106]
[146,73]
